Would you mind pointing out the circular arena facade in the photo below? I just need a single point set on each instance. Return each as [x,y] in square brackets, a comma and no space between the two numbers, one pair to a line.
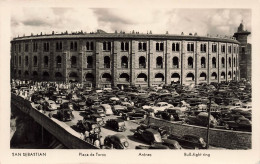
[114,59]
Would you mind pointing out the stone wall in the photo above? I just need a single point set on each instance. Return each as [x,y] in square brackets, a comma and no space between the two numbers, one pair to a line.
[217,137]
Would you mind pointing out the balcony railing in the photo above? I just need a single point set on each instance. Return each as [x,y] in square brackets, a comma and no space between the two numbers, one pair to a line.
[142,66]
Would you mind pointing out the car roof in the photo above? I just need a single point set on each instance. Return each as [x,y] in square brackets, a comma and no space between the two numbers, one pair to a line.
[121,137]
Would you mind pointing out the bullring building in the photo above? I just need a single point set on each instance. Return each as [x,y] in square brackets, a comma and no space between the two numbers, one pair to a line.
[114,59]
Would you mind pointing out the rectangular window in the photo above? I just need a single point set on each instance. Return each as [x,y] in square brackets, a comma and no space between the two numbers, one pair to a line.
[142,46]
[190,47]
[203,48]
[124,46]
[58,46]
[214,48]
[35,47]
[234,49]
[46,47]
[89,46]
[229,49]
[106,46]
[26,47]
[159,46]
[223,48]
[20,48]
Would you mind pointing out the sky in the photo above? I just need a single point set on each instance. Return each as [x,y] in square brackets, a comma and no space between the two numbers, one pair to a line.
[158,20]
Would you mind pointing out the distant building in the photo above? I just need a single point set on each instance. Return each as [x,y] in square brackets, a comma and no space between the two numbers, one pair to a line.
[245,56]
[115,59]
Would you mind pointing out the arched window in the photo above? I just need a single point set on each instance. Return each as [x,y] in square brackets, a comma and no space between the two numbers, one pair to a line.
[175,77]
[106,77]
[58,61]
[190,77]
[229,61]
[159,77]
[175,62]
[214,63]
[58,75]
[35,62]
[223,62]
[106,62]
[26,61]
[124,62]
[89,77]
[190,62]
[229,75]
[223,75]
[214,76]
[89,62]
[203,62]
[142,77]
[142,63]
[73,61]
[159,62]
[46,61]
[124,77]
[203,76]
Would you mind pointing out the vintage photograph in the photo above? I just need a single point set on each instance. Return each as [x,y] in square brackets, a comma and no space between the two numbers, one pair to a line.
[113,78]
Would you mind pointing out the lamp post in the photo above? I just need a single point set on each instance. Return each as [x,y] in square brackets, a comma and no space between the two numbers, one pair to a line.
[208,122]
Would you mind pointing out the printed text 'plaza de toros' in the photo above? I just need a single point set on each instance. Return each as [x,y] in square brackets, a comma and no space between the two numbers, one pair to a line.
[114,59]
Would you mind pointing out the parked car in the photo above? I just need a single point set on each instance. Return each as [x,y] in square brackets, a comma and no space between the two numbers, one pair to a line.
[239,124]
[88,125]
[119,110]
[65,114]
[96,118]
[107,108]
[148,135]
[190,141]
[96,110]
[201,120]
[49,105]
[161,129]
[117,141]
[80,105]
[172,114]
[116,124]
[135,114]
[160,106]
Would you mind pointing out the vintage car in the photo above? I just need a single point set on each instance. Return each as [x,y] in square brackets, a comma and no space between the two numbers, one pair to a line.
[96,118]
[243,124]
[161,106]
[161,129]
[201,120]
[88,125]
[116,124]
[172,114]
[119,110]
[96,110]
[148,135]
[50,105]
[117,141]
[135,114]
[107,108]
[80,105]
[190,141]
[65,114]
